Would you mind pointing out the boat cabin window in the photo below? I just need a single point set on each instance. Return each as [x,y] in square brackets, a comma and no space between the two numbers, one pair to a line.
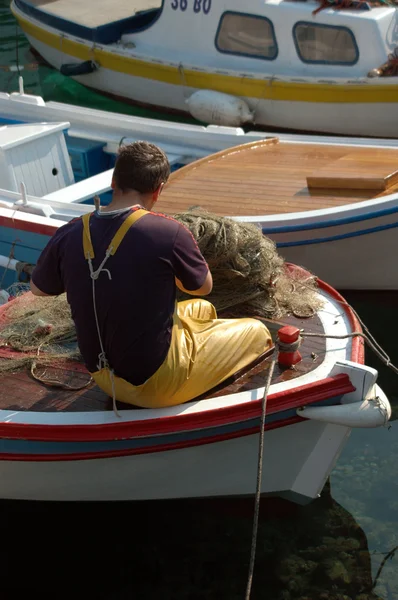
[247,35]
[325,44]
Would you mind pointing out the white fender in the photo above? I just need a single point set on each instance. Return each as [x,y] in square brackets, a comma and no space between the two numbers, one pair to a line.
[4,297]
[8,263]
[374,412]
[216,108]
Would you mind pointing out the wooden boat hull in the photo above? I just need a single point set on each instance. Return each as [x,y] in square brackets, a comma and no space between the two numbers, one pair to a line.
[368,108]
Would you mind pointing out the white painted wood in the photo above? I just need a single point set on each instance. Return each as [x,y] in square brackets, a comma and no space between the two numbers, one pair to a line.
[36,155]
[83,190]
[212,470]
[94,13]
[196,33]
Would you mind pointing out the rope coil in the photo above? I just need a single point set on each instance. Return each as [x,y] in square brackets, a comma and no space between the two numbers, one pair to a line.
[289,347]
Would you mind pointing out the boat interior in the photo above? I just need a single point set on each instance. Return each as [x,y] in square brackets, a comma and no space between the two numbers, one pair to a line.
[22,392]
[99,21]
[273,176]
[265,177]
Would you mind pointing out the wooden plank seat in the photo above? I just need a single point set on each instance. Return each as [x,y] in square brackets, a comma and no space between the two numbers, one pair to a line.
[377,171]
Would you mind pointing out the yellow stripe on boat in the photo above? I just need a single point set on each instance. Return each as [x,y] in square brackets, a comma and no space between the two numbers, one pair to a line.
[266,89]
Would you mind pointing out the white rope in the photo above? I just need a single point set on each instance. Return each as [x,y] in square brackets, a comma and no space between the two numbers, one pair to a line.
[102,359]
[183,80]
[369,339]
[377,349]
[259,475]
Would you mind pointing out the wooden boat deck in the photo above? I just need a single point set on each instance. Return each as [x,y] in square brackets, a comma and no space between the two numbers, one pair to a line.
[271,177]
[94,13]
[21,392]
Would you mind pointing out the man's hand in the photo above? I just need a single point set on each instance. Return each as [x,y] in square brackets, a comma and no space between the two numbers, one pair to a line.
[204,290]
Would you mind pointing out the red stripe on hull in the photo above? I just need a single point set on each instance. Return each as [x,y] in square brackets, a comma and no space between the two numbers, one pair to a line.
[358,343]
[17,222]
[148,450]
[279,402]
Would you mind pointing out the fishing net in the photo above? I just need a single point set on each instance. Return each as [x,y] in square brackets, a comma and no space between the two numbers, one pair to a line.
[249,279]
[36,330]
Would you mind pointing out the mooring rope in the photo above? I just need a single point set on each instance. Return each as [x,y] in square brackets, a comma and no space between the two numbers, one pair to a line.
[259,475]
[292,347]
[377,349]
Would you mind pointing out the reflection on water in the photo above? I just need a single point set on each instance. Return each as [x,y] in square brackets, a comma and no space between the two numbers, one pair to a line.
[365,482]
[341,547]
[190,549]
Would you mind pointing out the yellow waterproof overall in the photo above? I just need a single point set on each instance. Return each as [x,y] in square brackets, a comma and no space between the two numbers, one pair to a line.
[204,350]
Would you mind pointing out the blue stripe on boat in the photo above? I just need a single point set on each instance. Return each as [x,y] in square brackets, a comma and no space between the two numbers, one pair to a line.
[335,238]
[42,448]
[331,223]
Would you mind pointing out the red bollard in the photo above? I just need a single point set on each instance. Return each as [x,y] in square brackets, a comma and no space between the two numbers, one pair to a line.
[289,336]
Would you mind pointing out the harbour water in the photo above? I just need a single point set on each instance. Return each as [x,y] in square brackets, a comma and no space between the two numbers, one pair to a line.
[343,546]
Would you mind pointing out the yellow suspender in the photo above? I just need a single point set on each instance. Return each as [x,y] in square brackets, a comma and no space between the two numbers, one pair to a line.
[117,238]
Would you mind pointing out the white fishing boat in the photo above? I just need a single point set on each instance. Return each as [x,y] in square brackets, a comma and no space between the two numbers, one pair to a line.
[329,203]
[309,66]
[60,444]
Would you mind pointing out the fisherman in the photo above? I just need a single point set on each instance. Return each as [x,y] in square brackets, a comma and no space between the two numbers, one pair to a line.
[120,267]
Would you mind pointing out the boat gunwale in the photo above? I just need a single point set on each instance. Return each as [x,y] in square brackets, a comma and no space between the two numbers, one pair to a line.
[196,419]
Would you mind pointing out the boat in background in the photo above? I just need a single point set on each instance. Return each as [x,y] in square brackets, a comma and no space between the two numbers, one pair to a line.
[309,66]
[330,208]
[329,203]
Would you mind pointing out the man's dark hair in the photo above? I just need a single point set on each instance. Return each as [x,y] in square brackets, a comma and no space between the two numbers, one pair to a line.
[141,166]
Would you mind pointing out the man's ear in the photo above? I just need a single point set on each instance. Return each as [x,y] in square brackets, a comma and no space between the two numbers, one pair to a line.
[157,192]
[113,184]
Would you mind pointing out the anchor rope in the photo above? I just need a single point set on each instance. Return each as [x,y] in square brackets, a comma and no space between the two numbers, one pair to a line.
[377,349]
[259,475]
[292,347]
[366,335]
[183,80]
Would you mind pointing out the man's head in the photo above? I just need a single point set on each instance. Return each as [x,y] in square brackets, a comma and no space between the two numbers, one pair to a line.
[142,168]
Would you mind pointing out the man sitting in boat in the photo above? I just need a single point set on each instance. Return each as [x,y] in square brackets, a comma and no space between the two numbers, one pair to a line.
[120,267]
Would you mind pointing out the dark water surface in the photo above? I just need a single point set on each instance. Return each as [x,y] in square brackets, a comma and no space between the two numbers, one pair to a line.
[341,547]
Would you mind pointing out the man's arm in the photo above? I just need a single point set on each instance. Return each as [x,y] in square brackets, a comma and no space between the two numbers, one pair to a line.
[191,272]
[204,290]
[35,290]
[46,277]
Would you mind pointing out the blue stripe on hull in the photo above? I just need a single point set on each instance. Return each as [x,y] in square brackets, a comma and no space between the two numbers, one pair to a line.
[333,222]
[32,447]
[334,238]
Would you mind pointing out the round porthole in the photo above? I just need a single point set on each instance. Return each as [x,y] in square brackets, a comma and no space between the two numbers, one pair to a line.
[54,171]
